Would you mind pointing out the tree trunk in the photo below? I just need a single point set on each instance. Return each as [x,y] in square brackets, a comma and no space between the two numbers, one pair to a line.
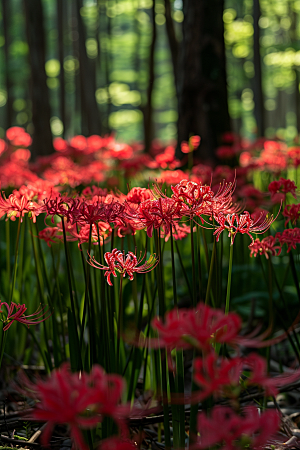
[9,110]
[60,27]
[148,109]
[42,137]
[258,94]
[89,105]
[202,91]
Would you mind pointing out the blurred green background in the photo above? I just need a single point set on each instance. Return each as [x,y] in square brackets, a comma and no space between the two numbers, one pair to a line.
[117,37]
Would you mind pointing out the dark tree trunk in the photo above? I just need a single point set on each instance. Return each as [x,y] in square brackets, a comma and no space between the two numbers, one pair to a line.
[89,105]
[258,94]
[148,109]
[60,27]
[173,43]
[42,137]
[202,91]
[5,19]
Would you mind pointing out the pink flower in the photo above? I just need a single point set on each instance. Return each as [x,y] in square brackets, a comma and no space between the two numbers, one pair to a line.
[19,315]
[117,261]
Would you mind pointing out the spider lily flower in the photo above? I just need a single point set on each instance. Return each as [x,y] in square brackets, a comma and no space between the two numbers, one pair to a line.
[232,430]
[117,261]
[199,327]
[290,237]
[17,206]
[265,247]
[242,223]
[154,214]
[19,315]
[79,400]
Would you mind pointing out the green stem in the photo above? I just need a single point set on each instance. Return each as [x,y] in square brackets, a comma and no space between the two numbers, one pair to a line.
[15,262]
[194,298]
[120,322]
[229,280]
[208,289]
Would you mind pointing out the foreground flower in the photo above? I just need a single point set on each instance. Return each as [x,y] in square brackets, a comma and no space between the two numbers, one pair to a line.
[79,400]
[234,431]
[117,261]
[19,315]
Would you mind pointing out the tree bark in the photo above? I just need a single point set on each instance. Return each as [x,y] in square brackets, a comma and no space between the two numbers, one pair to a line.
[9,110]
[42,137]
[60,27]
[89,105]
[148,109]
[258,94]
[202,90]
[173,43]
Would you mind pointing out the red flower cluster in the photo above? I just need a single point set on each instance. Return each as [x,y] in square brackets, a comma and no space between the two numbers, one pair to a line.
[79,400]
[232,431]
[280,188]
[265,247]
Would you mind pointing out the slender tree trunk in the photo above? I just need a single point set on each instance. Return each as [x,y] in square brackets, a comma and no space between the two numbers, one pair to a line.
[202,92]
[148,110]
[258,94]
[42,137]
[87,81]
[60,27]
[5,19]
[173,43]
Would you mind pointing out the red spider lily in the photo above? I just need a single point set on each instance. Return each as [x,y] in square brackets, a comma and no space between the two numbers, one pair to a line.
[199,327]
[290,237]
[259,375]
[117,261]
[282,185]
[50,234]
[192,194]
[242,223]
[155,214]
[88,213]
[81,401]
[233,431]
[137,195]
[19,315]
[16,206]
[61,206]
[265,247]
[292,212]
[214,375]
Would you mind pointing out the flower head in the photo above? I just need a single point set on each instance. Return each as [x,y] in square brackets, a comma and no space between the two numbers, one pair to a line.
[233,431]
[19,315]
[265,247]
[117,261]
[78,400]
[242,223]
